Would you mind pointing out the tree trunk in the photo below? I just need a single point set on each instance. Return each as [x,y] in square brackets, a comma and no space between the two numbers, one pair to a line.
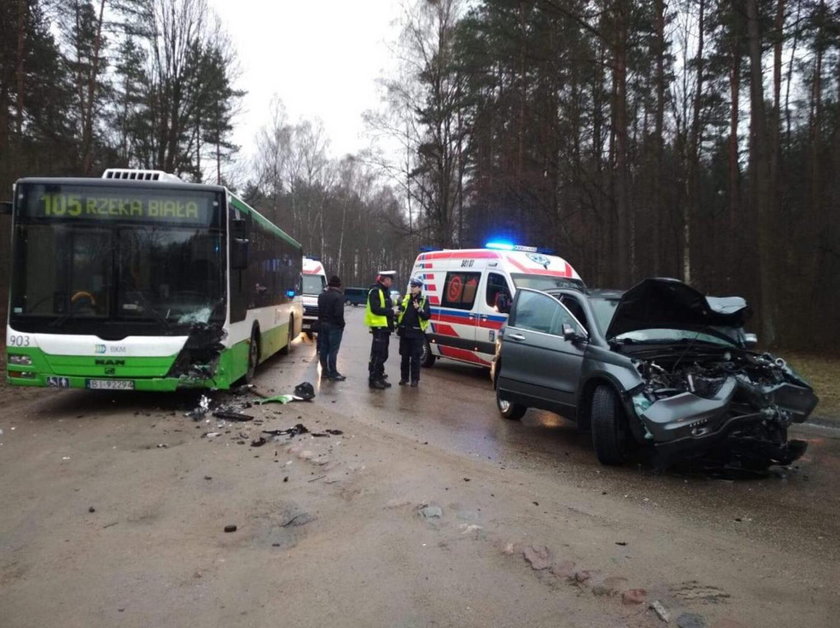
[760,174]
[734,167]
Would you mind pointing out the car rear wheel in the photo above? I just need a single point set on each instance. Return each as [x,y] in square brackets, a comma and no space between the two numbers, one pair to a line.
[609,426]
[508,409]
[427,358]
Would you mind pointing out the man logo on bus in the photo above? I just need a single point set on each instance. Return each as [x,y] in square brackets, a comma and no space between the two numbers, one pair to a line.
[542,260]
[100,348]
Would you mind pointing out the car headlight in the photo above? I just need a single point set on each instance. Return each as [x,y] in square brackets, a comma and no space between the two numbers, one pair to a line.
[20,360]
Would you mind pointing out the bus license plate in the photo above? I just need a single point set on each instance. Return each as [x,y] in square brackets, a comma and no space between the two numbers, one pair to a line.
[110,384]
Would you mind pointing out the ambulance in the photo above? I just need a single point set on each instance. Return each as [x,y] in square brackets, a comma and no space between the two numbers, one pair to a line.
[314,283]
[470,290]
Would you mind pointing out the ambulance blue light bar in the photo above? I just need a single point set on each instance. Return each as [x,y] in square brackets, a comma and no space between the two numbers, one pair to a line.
[507,246]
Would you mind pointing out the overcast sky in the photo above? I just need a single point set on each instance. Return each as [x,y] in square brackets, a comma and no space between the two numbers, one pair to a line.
[321,57]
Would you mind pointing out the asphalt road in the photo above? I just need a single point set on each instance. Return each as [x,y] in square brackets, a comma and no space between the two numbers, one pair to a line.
[112,509]
[454,408]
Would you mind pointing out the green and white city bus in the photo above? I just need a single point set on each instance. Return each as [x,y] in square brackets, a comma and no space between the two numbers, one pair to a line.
[140,281]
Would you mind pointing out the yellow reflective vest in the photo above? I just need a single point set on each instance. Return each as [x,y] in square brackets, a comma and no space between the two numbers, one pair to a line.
[423,323]
[371,319]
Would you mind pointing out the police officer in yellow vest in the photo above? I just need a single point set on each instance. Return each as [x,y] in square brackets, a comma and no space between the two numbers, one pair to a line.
[379,317]
[412,321]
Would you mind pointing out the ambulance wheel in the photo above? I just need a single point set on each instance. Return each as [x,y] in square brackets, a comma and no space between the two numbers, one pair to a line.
[427,358]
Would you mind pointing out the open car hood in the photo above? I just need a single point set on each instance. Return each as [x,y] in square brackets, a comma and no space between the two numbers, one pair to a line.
[670,304]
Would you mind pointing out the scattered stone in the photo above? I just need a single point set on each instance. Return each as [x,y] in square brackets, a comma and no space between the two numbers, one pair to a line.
[431,512]
[661,611]
[258,442]
[622,543]
[634,596]
[306,455]
[609,586]
[91,509]
[510,548]
[728,623]
[230,528]
[162,445]
[583,575]
[564,569]
[208,477]
[539,556]
[691,620]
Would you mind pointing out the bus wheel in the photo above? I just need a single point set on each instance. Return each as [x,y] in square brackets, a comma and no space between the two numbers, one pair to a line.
[285,350]
[427,358]
[253,356]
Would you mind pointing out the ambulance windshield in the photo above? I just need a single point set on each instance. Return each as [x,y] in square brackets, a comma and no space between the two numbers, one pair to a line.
[545,282]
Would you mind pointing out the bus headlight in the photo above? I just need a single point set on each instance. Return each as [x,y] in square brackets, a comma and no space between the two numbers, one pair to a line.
[20,360]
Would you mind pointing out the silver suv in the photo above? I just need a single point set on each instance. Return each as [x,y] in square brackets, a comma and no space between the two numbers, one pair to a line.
[661,368]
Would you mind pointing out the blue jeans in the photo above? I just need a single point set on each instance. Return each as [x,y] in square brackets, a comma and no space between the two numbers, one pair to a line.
[329,339]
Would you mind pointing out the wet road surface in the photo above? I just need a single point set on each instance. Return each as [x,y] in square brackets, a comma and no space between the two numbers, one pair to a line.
[454,409]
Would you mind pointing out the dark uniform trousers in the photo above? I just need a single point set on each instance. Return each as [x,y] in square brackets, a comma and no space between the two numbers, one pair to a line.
[378,352]
[411,349]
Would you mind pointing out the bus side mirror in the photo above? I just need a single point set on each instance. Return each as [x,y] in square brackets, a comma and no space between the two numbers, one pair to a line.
[238,244]
[5,208]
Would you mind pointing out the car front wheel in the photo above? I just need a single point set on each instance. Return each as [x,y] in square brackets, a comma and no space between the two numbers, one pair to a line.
[609,426]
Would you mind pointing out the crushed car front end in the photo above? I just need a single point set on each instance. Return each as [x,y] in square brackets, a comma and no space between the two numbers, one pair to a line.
[703,392]
[727,404]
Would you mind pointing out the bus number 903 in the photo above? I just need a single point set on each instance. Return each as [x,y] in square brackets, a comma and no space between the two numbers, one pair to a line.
[18,341]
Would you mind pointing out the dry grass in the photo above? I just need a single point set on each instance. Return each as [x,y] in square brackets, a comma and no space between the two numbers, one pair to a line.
[823,373]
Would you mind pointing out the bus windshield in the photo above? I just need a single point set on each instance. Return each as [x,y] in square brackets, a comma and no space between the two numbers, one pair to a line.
[153,260]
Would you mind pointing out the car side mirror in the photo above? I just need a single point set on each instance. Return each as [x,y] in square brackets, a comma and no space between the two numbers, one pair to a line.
[503,302]
[569,333]
[750,340]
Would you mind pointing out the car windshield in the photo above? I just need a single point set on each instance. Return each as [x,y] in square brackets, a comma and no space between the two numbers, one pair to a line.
[544,282]
[603,309]
[667,336]
[313,284]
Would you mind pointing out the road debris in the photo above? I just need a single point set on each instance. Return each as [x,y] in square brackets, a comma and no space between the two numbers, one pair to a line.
[691,620]
[430,512]
[539,556]
[299,428]
[258,442]
[230,528]
[661,611]
[229,415]
[197,413]
[634,596]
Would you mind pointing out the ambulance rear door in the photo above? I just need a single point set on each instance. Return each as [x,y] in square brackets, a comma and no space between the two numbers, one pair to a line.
[494,286]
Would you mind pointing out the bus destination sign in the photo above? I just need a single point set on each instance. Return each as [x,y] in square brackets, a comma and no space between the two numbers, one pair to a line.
[106,204]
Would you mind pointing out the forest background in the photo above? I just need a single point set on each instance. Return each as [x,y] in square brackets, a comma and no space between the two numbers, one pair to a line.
[697,139]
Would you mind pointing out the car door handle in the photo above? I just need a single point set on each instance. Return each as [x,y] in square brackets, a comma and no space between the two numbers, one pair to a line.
[514,337]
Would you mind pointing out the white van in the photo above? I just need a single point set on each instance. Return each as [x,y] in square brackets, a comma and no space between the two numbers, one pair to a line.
[467,288]
[314,281]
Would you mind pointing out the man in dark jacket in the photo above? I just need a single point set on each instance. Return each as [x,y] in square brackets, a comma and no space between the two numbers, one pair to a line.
[379,317]
[330,328]
[412,322]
